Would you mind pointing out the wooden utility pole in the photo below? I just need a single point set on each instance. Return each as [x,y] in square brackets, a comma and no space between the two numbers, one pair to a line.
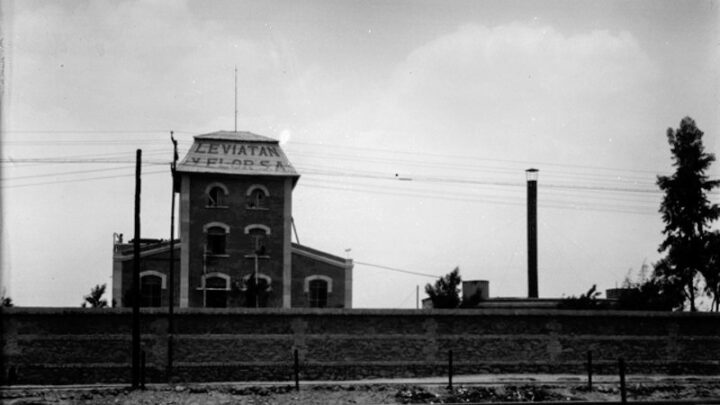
[136,279]
[171,271]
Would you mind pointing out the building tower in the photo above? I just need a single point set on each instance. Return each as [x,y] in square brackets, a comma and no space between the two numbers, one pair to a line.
[235,221]
[235,235]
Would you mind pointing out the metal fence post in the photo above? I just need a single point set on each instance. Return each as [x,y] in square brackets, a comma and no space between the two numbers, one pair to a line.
[623,392]
[450,369]
[297,371]
[142,369]
[589,369]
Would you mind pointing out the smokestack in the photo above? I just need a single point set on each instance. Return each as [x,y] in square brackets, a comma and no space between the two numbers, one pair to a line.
[532,177]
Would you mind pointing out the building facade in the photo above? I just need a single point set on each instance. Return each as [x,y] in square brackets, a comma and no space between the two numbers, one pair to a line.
[235,247]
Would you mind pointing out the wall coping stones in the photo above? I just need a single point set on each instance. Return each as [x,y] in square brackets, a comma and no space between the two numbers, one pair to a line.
[357,312]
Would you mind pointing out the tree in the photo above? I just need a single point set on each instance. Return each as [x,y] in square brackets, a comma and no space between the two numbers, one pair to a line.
[7,302]
[94,299]
[446,291]
[589,300]
[686,210]
[652,293]
[711,271]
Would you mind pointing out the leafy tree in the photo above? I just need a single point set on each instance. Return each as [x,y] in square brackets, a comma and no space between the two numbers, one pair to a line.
[589,300]
[94,299]
[652,293]
[711,271]
[446,291]
[7,302]
[686,210]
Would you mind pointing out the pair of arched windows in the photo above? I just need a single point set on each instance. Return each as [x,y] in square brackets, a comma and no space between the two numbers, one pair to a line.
[216,287]
[257,196]
[216,238]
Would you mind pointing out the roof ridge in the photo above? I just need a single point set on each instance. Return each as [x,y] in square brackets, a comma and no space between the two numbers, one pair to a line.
[239,136]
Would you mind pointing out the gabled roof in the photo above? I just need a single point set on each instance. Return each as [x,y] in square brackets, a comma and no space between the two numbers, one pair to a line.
[237,153]
[321,256]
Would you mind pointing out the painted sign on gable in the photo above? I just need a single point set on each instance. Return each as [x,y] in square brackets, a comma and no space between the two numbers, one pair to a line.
[236,158]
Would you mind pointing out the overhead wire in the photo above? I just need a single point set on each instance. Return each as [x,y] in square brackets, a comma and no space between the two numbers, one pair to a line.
[80,179]
[504,202]
[525,162]
[477,168]
[361,175]
[159,132]
[395,269]
[107,169]
[83,161]
[598,186]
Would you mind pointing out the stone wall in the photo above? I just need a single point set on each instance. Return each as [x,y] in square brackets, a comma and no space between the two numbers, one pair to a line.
[73,345]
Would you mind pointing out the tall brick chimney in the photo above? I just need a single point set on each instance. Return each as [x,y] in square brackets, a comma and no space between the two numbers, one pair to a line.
[532,176]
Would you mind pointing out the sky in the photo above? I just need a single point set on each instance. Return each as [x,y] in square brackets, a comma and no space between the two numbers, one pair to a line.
[411,123]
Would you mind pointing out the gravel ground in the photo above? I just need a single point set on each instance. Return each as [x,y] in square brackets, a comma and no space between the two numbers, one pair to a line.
[354,394]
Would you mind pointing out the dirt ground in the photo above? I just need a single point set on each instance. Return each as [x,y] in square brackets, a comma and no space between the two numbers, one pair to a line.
[353,394]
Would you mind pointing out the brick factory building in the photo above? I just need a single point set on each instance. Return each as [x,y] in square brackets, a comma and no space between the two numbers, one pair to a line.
[235,247]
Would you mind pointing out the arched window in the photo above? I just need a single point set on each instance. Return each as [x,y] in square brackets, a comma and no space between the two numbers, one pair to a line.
[216,286]
[216,236]
[258,238]
[217,195]
[318,293]
[256,292]
[257,197]
[151,285]
[308,279]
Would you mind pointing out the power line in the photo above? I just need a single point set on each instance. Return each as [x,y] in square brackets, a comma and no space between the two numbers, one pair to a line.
[64,173]
[85,131]
[485,200]
[472,167]
[94,155]
[488,183]
[525,162]
[84,142]
[56,160]
[79,180]
[396,269]
[290,146]
[369,175]
[494,199]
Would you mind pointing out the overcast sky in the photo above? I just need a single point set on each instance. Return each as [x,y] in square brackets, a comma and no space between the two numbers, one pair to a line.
[459,97]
